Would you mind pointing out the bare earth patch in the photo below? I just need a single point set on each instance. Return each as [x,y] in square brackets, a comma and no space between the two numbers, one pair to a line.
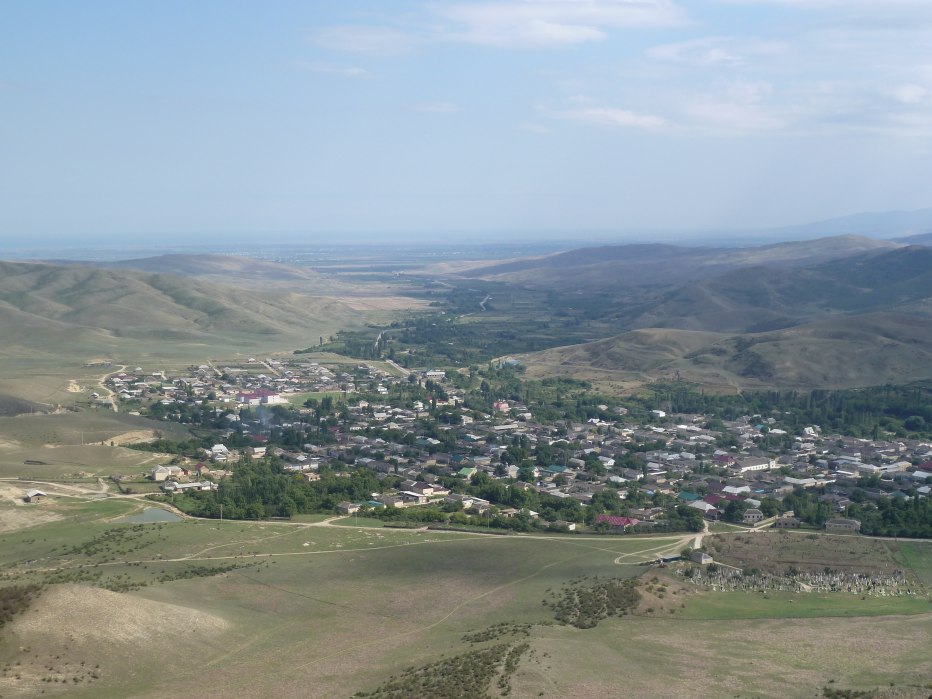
[74,635]
[9,444]
[380,303]
[134,437]
[93,615]
[15,514]
[73,386]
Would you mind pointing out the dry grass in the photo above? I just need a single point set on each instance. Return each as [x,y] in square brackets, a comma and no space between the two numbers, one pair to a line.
[91,615]
[662,594]
[134,437]
[15,514]
[74,636]
[776,551]
[353,607]
[764,658]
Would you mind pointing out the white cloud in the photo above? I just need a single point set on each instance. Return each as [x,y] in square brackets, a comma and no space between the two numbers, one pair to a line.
[329,69]
[715,51]
[531,127]
[551,23]
[737,107]
[368,39]
[882,5]
[910,94]
[437,108]
[733,116]
[606,116]
[858,68]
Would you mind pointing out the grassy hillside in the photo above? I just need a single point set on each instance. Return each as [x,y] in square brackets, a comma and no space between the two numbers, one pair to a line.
[625,314]
[867,350]
[212,264]
[765,298]
[239,271]
[620,266]
[841,352]
[860,321]
[256,609]
[138,305]
[47,307]
[245,272]
[639,355]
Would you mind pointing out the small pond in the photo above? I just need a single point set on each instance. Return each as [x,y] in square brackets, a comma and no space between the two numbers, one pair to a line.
[150,515]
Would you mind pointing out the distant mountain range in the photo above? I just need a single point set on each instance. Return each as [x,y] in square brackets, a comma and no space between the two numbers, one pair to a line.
[236,270]
[761,297]
[876,224]
[845,310]
[664,265]
[842,311]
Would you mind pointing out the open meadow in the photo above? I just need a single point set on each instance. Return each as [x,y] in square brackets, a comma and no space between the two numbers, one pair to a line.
[293,609]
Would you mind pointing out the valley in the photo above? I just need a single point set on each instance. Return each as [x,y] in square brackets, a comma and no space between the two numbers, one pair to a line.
[466,349]
[493,479]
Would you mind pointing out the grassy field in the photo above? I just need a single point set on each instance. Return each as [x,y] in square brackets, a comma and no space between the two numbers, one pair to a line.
[776,551]
[304,608]
[298,399]
[917,557]
[781,605]
[777,658]
[75,429]
[353,521]
[308,519]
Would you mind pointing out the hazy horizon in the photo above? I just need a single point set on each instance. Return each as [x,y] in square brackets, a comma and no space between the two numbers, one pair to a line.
[879,225]
[149,120]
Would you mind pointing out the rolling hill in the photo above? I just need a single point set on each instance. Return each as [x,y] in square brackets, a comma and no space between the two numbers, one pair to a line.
[850,352]
[44,307]
[858,321]
[653,265]
[755,299]
[215,265]
[878,224]
[233,270]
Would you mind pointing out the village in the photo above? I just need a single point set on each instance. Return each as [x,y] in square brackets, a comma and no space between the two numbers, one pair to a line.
[422,448]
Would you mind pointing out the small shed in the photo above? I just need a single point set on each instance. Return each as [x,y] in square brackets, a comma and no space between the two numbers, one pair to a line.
[700,557]
[843,525]
[787,522]
[34,495]
[348,508]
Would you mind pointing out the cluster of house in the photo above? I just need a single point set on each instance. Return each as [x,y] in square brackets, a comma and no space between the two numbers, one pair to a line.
[688,466]
[690,462]
[254,382]
[831,465]
[179,479]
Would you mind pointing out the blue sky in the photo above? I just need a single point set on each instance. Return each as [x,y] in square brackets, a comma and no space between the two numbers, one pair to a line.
[306,120]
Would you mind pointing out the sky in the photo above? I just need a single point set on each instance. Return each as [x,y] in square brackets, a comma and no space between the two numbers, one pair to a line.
[322,120]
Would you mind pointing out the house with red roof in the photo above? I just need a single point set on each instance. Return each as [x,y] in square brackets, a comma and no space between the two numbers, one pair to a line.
[617,522]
